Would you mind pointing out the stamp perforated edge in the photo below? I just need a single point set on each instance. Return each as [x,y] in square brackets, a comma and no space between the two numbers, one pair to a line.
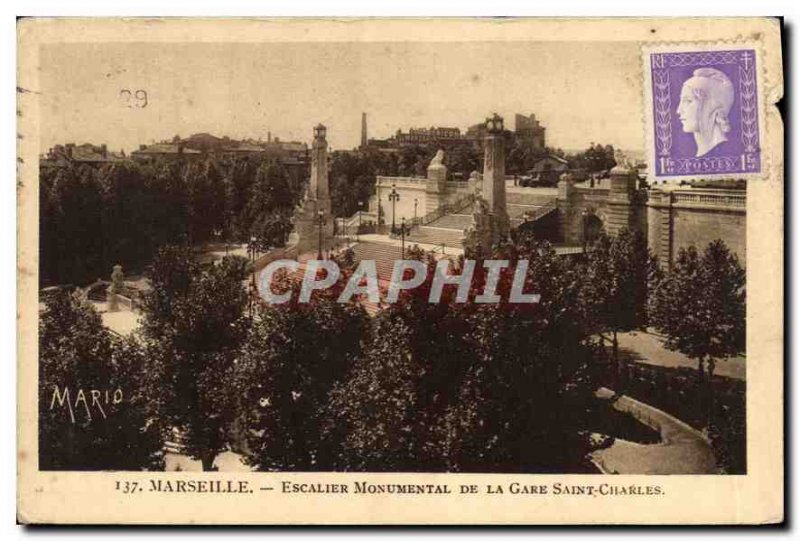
[647,112]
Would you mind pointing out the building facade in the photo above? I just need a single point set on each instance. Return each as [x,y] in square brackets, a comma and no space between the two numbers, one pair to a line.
[529,131]
[72,154]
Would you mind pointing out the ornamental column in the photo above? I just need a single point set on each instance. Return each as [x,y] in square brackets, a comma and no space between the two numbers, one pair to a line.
[318,185]
[494,176]
[313,220]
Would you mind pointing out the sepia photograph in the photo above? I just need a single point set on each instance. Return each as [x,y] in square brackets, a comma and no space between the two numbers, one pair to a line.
[362,256]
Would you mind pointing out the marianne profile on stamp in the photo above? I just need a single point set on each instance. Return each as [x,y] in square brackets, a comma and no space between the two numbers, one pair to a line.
[704,119]
[706,99]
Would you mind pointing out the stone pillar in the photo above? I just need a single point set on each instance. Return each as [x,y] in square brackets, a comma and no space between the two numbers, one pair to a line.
[364,130]
[317,200]
[621,199]
[436,183]
[659,226]
[567,209]
[318,184]
[494,176]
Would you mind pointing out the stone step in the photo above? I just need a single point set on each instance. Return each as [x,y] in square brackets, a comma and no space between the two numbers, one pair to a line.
[430,235]
[528,199]
[384,256]
[458,222]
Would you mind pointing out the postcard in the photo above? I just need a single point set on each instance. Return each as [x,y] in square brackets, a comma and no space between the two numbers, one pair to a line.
[400,271]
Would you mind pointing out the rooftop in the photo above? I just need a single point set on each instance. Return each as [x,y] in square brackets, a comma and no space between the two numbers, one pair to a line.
[166,148]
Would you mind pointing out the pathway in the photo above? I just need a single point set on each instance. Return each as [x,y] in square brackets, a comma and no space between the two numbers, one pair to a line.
[225,462]
[648,348]
[683,450]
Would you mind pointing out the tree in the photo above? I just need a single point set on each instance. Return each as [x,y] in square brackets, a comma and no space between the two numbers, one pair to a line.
[294,356]
[379,409]
[384,412]
[72,226]
[94,411]
[617,279]
[207,193]
[130,206]
[594,159]
[271,230]
[94,217]
[700,306]
[471,387]
[462,161]
[169,202]
[271,203]
[522,399]
[353,176]
[240,178]
[194,322]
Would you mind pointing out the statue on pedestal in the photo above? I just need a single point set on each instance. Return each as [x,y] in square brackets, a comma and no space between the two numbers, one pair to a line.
[116,287]
[478,237]
[438,159]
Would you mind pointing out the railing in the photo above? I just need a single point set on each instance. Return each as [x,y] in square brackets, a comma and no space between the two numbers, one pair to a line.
[571,250]
[448,208]
[710,199]
[382,181]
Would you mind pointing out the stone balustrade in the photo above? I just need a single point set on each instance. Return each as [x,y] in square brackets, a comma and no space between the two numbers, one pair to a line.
[710,198]
[401,181]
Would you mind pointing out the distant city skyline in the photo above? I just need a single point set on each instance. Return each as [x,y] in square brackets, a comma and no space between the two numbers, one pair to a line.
[245,91]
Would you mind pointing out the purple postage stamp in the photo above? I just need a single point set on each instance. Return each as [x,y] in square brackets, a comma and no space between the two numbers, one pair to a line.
[703,112]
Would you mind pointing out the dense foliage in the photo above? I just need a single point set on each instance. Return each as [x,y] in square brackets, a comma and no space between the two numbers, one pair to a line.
[471,387]
[462,387]
[620,271]
[92,218]
[95,411]
[193,326]
[594,159]
[293,356]
[708,324]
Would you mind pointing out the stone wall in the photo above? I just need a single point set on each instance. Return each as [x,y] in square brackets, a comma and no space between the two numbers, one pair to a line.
[429,193]
[573,201]
[672,217]
[681,217]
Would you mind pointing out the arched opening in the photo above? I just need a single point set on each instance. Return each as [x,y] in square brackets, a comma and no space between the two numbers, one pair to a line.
[592,227]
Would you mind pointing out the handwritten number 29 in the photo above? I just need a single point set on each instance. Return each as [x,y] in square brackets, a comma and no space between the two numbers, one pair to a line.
[133,98]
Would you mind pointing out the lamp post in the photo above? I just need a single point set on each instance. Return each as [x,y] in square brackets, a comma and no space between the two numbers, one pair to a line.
[320,222]
[584,217]
[415,212]
[394,197]
[358,231]
[380,213]
[494,123]
[403,237]
[252,248]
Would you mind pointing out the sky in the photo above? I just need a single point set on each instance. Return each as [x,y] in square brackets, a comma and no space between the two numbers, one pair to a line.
[582,93]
